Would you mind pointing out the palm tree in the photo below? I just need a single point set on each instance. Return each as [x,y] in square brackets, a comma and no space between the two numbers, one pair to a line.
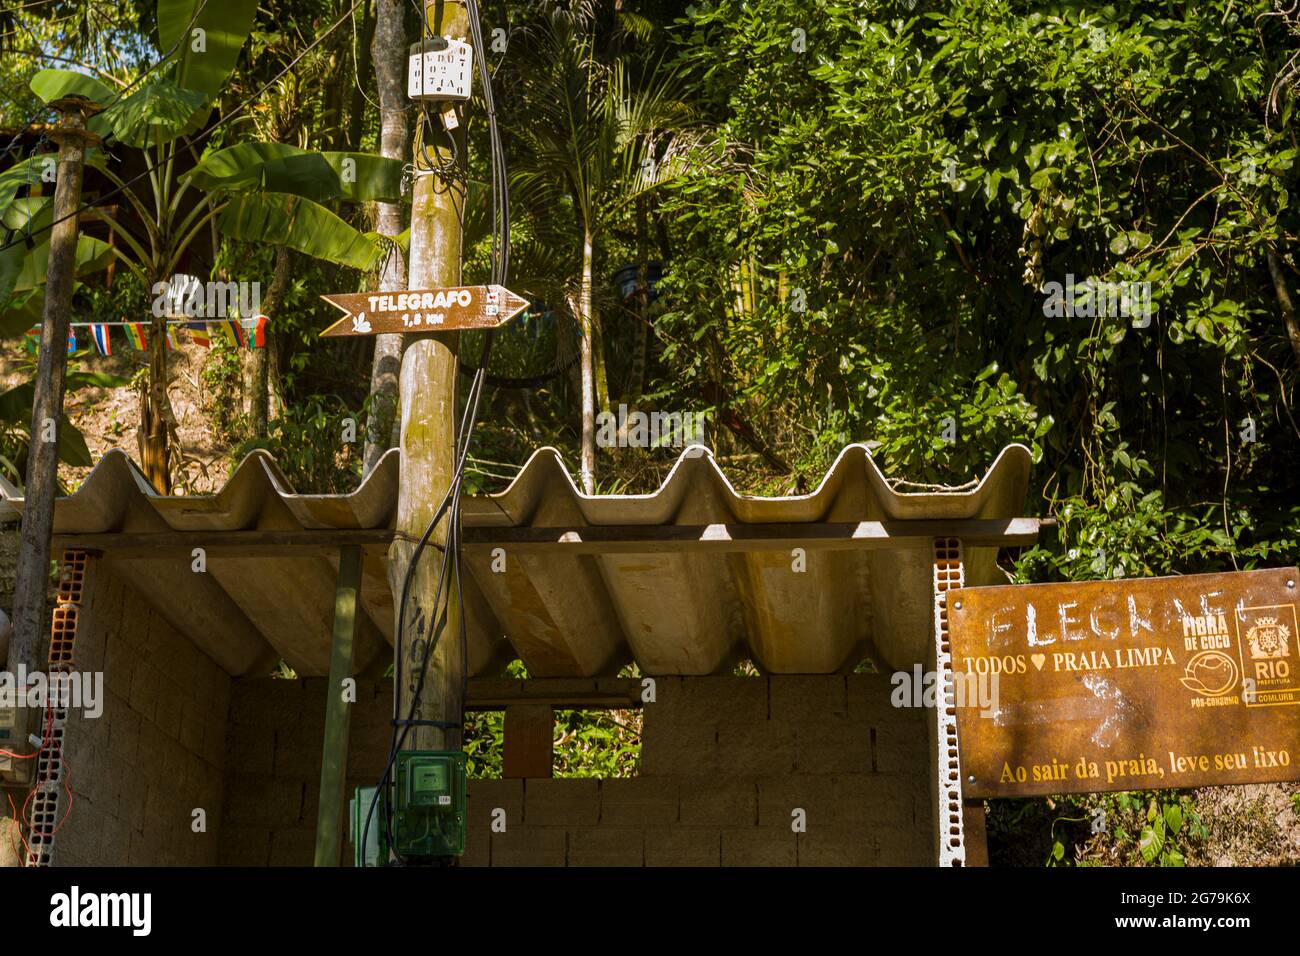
[591,137]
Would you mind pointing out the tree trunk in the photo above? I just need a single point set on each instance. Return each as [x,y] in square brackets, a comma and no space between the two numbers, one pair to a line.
[600,371]
[261,357]
[1284,301]
[156,419]
[588,466]
[636,381]
[357,114]
[389,54]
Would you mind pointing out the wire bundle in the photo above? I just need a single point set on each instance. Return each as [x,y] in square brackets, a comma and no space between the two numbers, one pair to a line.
[450,504]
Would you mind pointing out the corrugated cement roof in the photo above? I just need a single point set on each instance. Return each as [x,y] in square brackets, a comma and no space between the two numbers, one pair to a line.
[684,581]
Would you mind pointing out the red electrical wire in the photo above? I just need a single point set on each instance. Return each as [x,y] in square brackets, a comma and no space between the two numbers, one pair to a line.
[18,825]
[24,815]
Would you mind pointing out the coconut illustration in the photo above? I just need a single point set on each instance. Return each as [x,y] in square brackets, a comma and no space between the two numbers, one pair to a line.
[1211,673]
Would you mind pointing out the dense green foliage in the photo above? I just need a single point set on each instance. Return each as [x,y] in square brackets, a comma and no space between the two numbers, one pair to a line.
[916,175]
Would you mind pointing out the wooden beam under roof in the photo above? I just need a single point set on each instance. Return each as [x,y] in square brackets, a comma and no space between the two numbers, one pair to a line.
[733,537]
[307,543]
[585,539]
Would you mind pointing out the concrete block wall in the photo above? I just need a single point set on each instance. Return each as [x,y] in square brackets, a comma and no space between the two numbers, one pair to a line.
[157,752]
[273,760]
[725,763]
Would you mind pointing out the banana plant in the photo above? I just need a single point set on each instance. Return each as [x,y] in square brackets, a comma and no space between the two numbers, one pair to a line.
[16,421]
[260,192]
[23,269]
[25,249]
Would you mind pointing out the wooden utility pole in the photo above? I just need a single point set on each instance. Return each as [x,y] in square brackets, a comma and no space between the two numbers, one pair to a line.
[47,405]
[428,435]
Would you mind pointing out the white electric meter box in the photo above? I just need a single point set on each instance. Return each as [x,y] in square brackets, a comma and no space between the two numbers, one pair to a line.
[440,68]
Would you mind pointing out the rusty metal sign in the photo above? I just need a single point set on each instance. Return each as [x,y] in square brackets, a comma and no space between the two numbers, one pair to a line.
[1127,685]
[427,310]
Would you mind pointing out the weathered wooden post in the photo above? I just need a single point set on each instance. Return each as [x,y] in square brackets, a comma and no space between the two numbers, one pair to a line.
[334,760]
[47,406]
[427,407]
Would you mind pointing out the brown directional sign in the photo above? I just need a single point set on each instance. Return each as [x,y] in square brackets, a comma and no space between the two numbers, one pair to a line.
[1127,684]
[427,310]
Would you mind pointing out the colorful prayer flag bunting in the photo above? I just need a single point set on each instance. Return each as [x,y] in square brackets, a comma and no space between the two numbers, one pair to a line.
[99,333]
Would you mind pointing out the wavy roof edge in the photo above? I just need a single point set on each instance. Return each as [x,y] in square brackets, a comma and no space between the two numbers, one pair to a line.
[116,496]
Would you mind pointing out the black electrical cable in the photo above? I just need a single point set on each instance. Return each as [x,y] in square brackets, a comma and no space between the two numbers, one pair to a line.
[531,381]
[450,504]
[454,490]
[440,610]
[452,498]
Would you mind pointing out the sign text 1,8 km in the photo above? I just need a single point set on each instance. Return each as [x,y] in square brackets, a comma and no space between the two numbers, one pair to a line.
[426,310]
[1132,684]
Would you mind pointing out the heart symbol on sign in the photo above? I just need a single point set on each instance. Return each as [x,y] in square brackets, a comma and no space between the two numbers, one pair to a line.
[1038,660]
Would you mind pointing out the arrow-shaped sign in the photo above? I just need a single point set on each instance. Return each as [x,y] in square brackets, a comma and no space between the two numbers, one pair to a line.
[432,310]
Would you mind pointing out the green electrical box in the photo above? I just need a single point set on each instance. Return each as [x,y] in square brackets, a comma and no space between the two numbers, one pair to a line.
[429,803]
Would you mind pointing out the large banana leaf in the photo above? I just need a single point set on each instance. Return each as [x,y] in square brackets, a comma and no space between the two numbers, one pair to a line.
[276,167]
[22,276]
[158,112]
[238,167]
[92,255]
[11,267]
[51,85]
[25,223]
[22,312]
[224,24]
[29,215]
[16,410]
[23,218]
[300,224]
[26,173]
